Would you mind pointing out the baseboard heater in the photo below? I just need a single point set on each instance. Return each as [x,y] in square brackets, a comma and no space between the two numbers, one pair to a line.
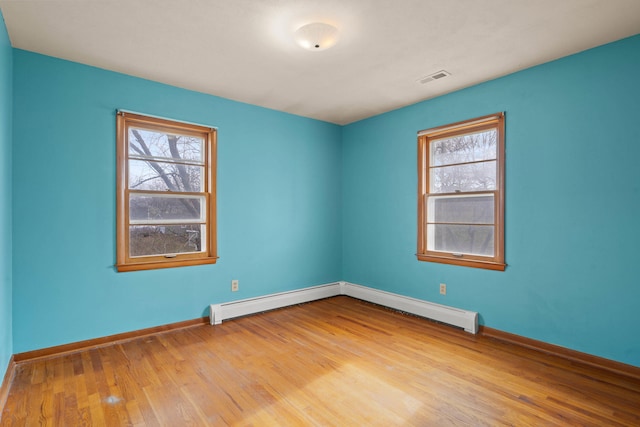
[467,320]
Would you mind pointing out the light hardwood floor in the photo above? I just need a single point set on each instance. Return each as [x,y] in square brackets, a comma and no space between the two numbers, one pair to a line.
[338,361]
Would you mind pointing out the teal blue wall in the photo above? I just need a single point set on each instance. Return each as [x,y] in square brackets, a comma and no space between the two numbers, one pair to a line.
[572,203]
[278,204]
[6,72]
[303,202]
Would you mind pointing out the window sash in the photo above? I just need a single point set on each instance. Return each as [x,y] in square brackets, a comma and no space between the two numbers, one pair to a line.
[161,229]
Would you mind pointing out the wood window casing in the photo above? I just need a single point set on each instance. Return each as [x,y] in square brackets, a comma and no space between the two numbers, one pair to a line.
[494,260]
[207,252]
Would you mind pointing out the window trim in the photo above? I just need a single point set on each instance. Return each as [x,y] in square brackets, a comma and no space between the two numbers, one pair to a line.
[497,262]
[123,261]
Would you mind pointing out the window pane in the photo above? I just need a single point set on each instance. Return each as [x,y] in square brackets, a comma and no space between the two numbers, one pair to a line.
[472,147]
[165,240]
[463,239]
[471,209]
[161,176]
[467,177]
[145,208]
[160,144]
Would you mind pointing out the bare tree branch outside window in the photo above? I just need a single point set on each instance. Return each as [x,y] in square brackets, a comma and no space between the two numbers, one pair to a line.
[165,163]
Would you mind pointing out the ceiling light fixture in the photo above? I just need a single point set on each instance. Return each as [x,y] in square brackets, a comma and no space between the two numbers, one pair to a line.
[316,36]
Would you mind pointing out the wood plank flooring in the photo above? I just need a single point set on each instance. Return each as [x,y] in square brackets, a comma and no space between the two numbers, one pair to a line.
[334,362]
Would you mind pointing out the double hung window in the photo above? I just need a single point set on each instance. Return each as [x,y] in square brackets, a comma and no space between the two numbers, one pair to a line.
[166,193]
[461,193]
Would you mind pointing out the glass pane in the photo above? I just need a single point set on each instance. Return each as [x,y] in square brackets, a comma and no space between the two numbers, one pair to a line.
[462,239]
[471,209]
[471,177]
[165,240]
[160,144]
[145,208]
[161,176]
[472,147]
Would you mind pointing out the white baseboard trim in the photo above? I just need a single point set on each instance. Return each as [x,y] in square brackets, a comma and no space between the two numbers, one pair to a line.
[468,320]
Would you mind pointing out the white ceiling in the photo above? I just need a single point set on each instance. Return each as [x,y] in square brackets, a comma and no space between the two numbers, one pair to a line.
[244,49]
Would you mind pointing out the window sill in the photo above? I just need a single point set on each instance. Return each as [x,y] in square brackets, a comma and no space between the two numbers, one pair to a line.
[475,263]
[164,264]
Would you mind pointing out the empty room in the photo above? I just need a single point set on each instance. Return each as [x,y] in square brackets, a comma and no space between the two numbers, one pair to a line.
[319,213]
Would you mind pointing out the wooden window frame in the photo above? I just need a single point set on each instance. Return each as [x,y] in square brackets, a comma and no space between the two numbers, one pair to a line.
[497,261]
[124,262]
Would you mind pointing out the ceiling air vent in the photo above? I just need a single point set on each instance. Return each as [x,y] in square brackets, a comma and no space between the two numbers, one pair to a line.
[435,76]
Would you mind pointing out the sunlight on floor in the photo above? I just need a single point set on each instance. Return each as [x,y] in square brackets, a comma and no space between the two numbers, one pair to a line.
[352,387]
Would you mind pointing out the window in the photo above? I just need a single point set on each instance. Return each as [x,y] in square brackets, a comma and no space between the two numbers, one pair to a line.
[166,207]
[461,193]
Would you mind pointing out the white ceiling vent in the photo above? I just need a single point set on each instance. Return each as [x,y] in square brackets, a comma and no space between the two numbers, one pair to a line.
[435,76]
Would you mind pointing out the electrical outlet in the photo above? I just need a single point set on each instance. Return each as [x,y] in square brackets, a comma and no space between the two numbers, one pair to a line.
[443,289]
[234,285]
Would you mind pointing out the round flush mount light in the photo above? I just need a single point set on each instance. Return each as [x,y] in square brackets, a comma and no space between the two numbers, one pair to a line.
[316,36]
